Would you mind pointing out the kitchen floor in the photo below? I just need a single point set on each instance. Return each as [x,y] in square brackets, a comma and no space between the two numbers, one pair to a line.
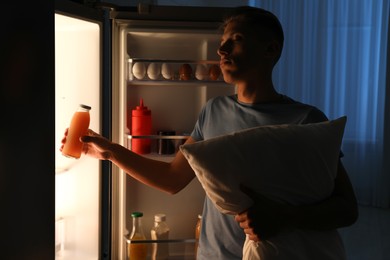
[369,237]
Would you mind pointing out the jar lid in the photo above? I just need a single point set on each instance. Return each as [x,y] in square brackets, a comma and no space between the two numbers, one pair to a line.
[137,214]
[159,217]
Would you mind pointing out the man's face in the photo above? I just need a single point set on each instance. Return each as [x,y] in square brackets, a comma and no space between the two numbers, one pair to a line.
[241,53]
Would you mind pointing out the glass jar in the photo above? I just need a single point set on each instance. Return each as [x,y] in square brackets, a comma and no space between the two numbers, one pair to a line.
[137,251]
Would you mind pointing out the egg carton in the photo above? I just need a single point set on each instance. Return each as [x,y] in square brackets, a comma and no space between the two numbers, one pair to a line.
[174,71]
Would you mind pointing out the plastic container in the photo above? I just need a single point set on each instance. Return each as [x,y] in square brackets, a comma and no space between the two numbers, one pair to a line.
[160,231]
[78,127]
[137,251]
[141,125]
[166,146]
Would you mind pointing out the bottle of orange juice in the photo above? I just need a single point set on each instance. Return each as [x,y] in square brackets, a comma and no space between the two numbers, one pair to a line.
[137,251]
[78,127]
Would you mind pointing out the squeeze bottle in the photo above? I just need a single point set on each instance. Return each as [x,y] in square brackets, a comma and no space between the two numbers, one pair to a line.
[198,227]
[78,127]
[141,125]
[160,231]
[137,251]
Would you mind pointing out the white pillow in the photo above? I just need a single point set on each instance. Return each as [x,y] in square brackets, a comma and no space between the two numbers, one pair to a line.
[295,164]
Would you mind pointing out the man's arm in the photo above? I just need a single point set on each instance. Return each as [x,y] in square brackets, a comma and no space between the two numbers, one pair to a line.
[339,210]
[168,177]
[267,217]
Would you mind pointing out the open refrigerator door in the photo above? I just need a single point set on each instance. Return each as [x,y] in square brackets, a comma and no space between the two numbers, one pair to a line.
[77,181]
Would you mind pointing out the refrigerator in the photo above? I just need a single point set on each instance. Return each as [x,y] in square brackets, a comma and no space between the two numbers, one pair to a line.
[110,58]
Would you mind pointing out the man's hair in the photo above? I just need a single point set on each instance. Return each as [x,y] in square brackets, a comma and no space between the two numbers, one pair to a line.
[257,18]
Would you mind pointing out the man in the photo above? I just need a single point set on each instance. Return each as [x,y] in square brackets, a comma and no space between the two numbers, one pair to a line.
[251,45]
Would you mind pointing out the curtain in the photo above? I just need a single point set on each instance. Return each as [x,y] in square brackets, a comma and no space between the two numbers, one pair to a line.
[335,57]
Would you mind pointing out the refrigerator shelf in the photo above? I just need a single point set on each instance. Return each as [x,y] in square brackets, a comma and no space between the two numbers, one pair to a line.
[156,153]
[172,82]
[133,60]
[173,137]
[150,70]
[183,249]
[160,241]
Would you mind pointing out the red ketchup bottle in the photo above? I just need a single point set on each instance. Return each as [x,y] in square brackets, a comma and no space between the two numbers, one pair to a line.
[141,125]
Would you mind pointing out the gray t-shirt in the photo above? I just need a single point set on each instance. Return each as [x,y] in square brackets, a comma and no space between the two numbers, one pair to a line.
[221,237]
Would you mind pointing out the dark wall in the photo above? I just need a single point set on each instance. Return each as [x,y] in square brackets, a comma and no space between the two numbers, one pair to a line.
[27,130]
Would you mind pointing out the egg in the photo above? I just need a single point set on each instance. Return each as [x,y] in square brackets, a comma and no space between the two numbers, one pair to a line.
[139,70]
[167,71]
[185,71]
[201,72]
[214,72]
[154,71]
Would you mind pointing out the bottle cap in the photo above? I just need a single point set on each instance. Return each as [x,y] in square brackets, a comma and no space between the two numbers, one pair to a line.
[141,110]
[159,217]
[137,214]
[85,106]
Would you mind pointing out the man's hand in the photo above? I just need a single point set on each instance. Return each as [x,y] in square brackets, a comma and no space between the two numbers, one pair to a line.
[264,219]
[94,145]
